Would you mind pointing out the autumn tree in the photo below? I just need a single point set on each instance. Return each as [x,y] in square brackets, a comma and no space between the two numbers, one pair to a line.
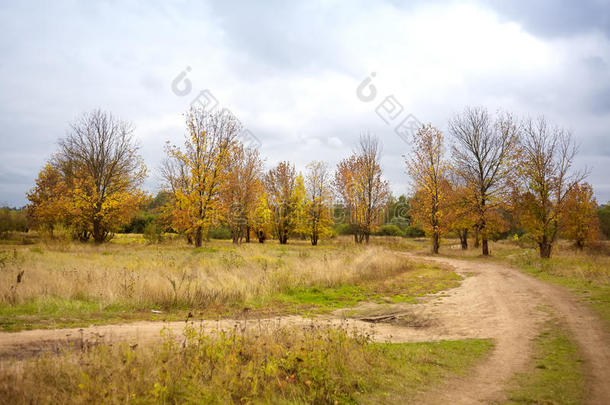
[285,197]
[319,195]
[481,155]
[49,201]
[547,155]
[99,172]
[580,222]
[175,175]
[241,190]
[428,171]
[262,218]
[360,184]
[460,214]
[201,168]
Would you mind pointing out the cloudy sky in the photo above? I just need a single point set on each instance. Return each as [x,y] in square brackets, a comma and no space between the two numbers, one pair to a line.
[290,71]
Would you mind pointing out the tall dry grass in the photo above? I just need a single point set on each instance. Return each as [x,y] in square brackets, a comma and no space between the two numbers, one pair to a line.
[174,275]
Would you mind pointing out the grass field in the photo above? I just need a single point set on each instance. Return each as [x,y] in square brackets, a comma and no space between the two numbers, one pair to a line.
[75,284]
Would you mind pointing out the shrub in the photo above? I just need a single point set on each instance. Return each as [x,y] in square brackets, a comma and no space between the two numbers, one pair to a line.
[153,233]
[389,230]
[414,232]
[220,232]
[343,229]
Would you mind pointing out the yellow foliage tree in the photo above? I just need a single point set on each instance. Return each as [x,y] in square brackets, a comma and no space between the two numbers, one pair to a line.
[547,154]
[48,202]
[285,196]
[262,219]
[201,171]
[428,171]
[96,178]
[318,219]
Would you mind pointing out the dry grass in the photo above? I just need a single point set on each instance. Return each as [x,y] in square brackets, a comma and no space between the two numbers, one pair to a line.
[302,365]
[67,281]
[174,275]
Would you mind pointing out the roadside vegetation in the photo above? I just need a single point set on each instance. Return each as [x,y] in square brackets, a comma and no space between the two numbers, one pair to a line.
[302,365]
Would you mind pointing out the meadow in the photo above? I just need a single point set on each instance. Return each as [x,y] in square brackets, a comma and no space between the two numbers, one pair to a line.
[68,284]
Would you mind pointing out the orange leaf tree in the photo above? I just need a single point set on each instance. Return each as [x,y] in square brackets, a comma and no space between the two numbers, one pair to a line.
[580,222]
[360,184]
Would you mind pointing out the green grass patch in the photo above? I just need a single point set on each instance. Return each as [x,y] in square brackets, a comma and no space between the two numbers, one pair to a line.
[329,297]
[405,286]
[298,365]
[52,312]
[556,373]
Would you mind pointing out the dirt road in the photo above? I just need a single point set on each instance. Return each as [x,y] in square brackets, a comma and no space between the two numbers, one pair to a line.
[493,301]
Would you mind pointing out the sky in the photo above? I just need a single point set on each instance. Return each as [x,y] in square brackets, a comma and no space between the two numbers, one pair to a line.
[305,78]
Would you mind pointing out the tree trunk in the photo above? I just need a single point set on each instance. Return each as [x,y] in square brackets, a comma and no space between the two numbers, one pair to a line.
[435,242]
[366,238]
[476,238]
[463,234]
[485,246]
[98,233]
[261,237]
[247,233]
[546,246]
[198,236]
[314,238]
[283,237]
[580,245]
[189,239]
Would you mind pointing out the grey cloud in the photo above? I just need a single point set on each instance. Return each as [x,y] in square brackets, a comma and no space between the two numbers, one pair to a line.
[600,101]
[62,58]
[556,18]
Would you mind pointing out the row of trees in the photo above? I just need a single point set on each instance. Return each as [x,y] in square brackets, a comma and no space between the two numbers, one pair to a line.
[501,167]
[92,185]
[214,178]
[500,170]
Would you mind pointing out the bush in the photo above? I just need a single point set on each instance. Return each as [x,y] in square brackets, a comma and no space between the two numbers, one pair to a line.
[414,232]
[153,233]
[220,232]
[526,241]
[12,220]
[343,229]
[389,230]
[139,223]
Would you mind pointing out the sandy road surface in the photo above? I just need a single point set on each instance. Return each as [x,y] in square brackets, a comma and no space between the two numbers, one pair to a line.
[493,301]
